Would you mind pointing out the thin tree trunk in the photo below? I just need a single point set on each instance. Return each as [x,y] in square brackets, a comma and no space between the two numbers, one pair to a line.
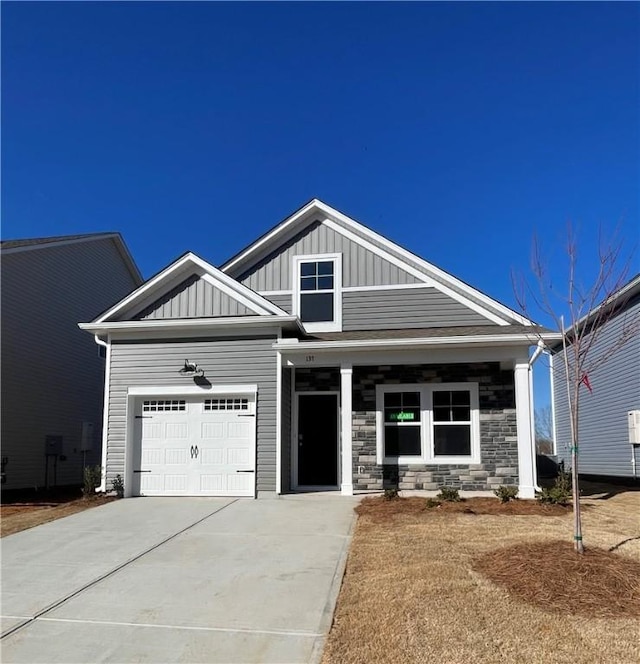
[575,488]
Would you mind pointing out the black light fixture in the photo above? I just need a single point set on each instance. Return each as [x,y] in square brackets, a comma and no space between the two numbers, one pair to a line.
[190,369]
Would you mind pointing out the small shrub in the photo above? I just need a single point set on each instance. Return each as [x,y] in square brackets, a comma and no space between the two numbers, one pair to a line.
[449,494]
[432,502]
[559,493]
[117,485]
[506,493]
[391,494]
[92,479]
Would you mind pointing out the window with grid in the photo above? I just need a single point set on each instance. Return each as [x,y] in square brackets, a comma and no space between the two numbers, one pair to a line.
[226,404]
[163,405]
[317,290]
[451,423]
[402,424]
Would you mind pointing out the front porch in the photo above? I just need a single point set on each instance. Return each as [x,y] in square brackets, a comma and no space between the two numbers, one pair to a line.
[370,451]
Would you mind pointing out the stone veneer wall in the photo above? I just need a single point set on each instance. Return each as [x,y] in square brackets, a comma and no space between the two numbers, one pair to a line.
[498,439]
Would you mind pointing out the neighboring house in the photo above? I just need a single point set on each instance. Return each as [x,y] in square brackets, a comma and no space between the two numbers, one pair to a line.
[323,356]
[604,414]
[52,373]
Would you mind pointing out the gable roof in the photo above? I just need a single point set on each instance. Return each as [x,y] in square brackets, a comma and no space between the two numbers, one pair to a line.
[426,272]
[39,243]
[176,272]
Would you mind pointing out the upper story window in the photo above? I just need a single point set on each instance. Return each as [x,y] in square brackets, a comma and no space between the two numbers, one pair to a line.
[317,292]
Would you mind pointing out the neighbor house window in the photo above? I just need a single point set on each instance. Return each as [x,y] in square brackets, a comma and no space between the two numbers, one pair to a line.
[318,298]
[428,423]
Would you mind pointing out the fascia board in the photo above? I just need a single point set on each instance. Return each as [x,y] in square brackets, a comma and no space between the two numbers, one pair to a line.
[372,344]
[187,324]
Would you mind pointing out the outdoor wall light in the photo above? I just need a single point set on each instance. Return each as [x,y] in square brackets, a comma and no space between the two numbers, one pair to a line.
[190,369]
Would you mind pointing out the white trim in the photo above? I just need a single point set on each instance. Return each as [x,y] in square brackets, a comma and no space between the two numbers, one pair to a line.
[268,293]
[105,415]
[295,485]
[427,455]
[364,344]
[346,434]
[187,324]
[387,287]
[189,390]
[296,262]
[278,423]
[183,264]
[416,273]
[554,430]
[527,484]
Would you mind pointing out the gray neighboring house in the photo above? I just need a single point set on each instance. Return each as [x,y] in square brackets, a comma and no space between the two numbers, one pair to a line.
[322,356]
[604,417]
[52,372]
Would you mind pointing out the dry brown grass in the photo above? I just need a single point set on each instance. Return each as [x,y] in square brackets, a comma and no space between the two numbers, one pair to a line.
[20,516]
[410,593]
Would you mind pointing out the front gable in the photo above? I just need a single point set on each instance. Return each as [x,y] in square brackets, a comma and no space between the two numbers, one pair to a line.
[378,281]
[189,288]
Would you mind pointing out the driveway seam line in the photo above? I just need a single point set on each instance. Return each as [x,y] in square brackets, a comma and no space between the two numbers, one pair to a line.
[202,628]
[106,575]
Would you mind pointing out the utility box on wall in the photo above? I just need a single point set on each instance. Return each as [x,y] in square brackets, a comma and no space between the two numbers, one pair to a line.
[634,427]
[53,445]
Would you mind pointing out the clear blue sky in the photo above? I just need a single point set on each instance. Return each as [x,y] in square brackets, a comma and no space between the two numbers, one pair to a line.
[456,129]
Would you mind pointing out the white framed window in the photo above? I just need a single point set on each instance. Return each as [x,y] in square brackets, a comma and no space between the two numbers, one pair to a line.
[317,291]
[428,423]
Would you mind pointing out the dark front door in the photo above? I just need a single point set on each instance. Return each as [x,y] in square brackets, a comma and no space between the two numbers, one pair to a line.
[317,439]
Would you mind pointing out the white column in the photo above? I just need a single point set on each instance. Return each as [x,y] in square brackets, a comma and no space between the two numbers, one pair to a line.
[346,385]
[524,420]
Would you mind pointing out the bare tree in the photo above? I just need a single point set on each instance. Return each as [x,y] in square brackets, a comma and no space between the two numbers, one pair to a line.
[544,430]
[580,313]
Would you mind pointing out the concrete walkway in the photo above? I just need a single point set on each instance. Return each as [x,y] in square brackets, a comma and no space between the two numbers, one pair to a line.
[177,580]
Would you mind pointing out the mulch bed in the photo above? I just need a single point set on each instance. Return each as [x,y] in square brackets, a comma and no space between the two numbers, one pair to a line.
[380,507]
[552,576]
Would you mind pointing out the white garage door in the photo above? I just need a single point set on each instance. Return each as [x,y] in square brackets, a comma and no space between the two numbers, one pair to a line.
[196,446]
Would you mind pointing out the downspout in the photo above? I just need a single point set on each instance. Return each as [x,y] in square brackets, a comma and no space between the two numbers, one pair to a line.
[552,387]
[105,410]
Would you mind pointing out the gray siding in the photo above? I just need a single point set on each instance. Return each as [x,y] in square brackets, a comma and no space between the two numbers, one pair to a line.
[286,430]
[52,375]
[224,361]
[603,428]
[406,308]
[360,267]
[194,298]
[282,301]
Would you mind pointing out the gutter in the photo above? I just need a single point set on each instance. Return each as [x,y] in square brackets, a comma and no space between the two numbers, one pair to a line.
[373,344]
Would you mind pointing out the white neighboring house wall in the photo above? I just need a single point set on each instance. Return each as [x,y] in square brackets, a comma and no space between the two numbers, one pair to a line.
[52,372]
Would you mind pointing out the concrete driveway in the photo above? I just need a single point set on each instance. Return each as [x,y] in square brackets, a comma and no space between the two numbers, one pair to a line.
[177,580]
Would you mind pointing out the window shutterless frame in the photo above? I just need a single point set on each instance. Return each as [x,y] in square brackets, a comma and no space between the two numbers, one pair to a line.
[311,277]
[433,424]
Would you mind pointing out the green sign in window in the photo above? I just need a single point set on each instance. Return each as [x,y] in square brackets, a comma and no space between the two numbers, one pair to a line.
[401,417]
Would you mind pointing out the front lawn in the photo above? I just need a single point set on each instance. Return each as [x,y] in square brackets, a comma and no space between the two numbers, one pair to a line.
[417,586]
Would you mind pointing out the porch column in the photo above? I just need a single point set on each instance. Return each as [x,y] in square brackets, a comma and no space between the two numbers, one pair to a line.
[524,420]
[346,385]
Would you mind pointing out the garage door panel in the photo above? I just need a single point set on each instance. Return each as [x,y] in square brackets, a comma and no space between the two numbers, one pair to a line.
[198,450]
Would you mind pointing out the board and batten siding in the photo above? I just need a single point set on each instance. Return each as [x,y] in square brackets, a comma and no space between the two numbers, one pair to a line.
[285,431]
[404,309]
[360,267]
[52,374]
[194,298]
[224,361]
[397,309]
[604,447]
